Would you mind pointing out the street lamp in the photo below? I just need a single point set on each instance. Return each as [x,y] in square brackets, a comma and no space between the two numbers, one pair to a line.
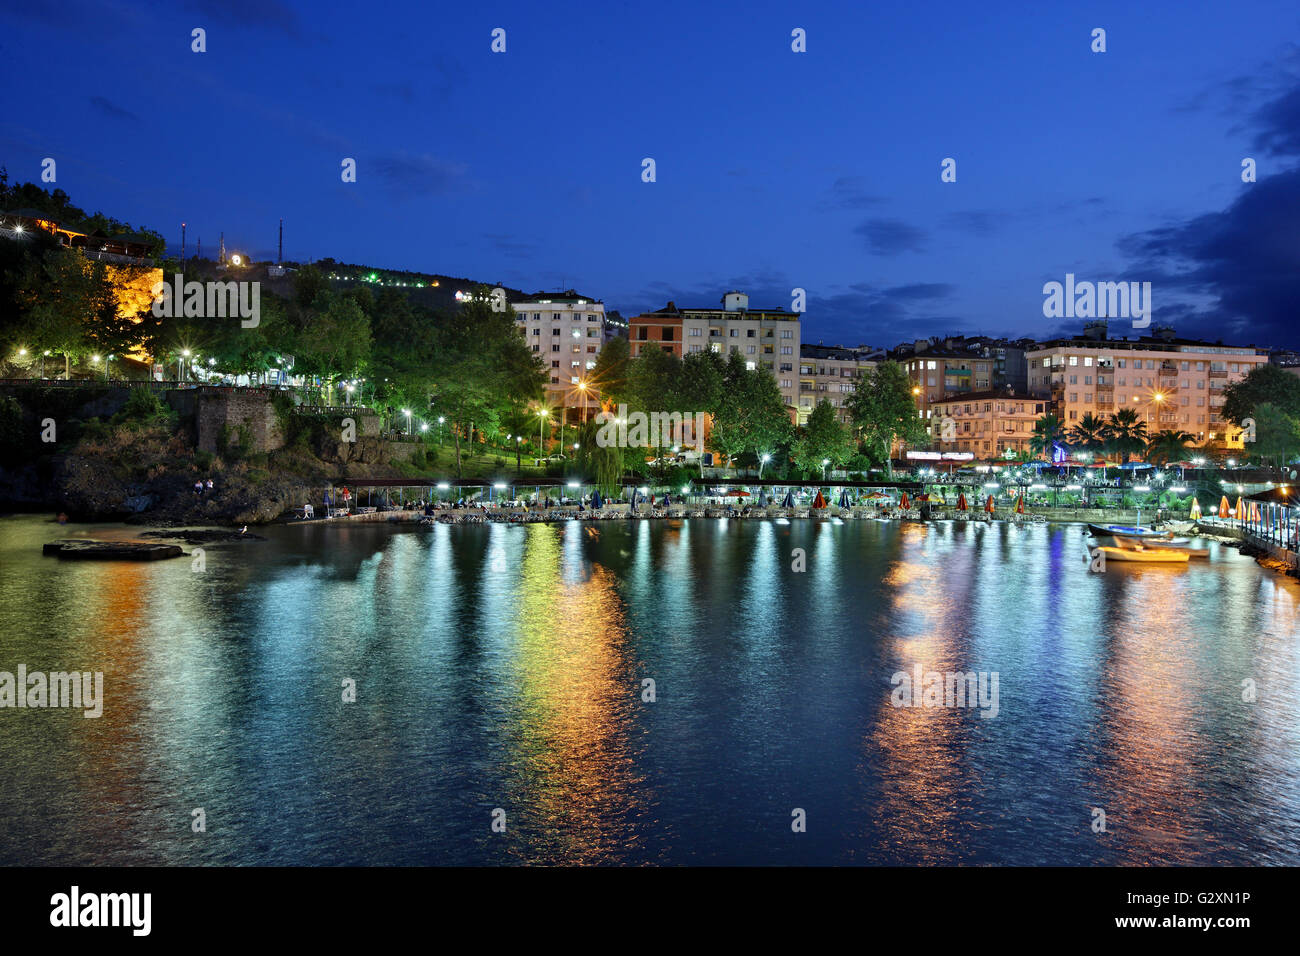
[763,460]
[407,413]
[542,415]
[825,462]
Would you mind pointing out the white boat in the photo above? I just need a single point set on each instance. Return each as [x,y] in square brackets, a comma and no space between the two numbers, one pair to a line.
[1145,555]
[1175,544]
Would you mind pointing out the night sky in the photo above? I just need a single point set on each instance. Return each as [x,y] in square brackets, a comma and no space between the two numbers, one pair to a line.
[775,169]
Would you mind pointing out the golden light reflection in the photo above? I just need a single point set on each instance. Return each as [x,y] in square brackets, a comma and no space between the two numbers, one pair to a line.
[575,700]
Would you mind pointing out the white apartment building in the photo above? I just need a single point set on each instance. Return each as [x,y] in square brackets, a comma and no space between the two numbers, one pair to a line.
[567,331]
[1174,384]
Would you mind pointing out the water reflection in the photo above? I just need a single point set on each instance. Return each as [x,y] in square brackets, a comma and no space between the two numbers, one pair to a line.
[502,667]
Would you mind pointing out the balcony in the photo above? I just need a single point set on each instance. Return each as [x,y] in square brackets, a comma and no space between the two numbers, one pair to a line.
[1218,373]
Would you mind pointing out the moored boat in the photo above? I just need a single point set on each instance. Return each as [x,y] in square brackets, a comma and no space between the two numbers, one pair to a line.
[1155,544]
[1145,555]
[1129,531]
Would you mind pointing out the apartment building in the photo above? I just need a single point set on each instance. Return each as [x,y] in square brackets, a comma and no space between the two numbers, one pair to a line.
[567,330]
[764,338]
[938,373]
[831,372]
[1174,384]
[987,424]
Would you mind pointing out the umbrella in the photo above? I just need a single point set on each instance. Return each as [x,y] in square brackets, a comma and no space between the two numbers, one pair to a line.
[961,501]
[877,494]
[988,505]
[1254,512]
[819,501]
[1195,513]
[667,500]
[844,498]
[1240,511]
[762,499]
[904,503]
[739,494]
[1225,509]
[596,502]
[635,495]
[789,500]
[1020,505]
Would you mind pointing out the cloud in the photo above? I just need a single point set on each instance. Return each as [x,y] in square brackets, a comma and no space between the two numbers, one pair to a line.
[849,192]
[419,174]
[264,14]
[111,109]
[1234,275]
[511,247]
[891,237]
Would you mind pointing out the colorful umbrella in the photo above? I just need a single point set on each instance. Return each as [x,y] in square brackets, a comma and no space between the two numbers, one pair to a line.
[988,505]
[1020,505]
[844,498]
[819,501]
[961,501]
[739,494]
[903,502]
[1225,509]
[788,502]
[1240,511]
[1254,513]
[1195,513]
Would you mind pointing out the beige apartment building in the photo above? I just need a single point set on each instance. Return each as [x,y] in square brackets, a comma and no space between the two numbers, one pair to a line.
[1173,384]
[765,338]
[566,330]
[832,373]
[939,374]
[987,424]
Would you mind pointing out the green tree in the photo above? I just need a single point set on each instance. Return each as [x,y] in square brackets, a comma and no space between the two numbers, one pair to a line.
[823,438]
[1048,430]
[1128,434]
[1265,384]
[885,412]
[1277,435]
[751,414]
[1168,445]
[1089,433]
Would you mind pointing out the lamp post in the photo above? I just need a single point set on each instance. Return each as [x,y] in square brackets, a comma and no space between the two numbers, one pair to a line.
[541,420]
[407,413]
[763,460]
[825,462]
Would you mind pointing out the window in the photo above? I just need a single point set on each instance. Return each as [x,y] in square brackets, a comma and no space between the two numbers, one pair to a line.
[785,383]
[787,350]
[1074,360]
[537,348]
[697,348]
[555,331]
[642,334]
[733,333]
[749,333]
[537,331]
[787,334]
[751,350]
[555,348]
[668,335]
[694,332]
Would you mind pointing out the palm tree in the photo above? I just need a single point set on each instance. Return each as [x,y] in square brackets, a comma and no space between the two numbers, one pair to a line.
[1165,446]
[1047,430]
[1091,433]
[1128,434]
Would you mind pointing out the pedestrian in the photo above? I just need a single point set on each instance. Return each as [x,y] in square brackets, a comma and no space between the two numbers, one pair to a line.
[209,486]
[198,489]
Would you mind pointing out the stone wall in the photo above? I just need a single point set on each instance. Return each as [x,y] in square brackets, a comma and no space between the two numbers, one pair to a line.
[224,412]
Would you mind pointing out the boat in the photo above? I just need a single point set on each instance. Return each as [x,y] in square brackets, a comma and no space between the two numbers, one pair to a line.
[1129,531]
[1174,544]
[1145,554]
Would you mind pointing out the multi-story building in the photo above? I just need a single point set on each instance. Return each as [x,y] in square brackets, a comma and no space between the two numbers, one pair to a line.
[567,330]
[764,338]
[938,372]
[987,424]
[831,372]
[1173,384]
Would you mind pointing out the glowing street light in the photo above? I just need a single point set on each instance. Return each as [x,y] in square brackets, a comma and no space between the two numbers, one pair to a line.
[762,460]
[407,413]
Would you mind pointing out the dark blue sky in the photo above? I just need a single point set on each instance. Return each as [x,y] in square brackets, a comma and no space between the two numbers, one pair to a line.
[775,169]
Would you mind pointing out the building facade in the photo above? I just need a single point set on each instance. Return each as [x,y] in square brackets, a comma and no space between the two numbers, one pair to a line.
[832,373]
[1173,384]
[987,424]
[566,331]
[764,338]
